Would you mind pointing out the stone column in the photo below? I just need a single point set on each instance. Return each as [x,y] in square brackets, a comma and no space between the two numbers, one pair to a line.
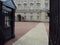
[43,16]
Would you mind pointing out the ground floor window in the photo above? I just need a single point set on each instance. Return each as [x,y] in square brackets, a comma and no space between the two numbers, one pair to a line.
[7,21]
[31,17]
[38,17]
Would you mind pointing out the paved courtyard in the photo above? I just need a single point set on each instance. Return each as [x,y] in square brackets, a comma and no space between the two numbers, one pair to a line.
[22,28]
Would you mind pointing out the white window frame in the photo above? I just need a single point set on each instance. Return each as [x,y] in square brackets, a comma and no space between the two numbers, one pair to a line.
[19,7]
[25,6]
[46,6]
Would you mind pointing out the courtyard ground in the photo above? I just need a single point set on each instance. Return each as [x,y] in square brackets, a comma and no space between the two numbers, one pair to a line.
[22,28]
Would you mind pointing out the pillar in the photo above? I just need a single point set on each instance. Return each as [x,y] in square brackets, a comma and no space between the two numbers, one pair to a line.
[54,32]
[43,16]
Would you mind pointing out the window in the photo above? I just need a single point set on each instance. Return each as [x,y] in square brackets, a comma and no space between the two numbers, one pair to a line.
[37,12]
[19,4]
[18,1]
[31,13]
[31,5]
[37,17]
[31,1]
[46,6]
[38,6]
[31,17]
[25,6]
[46,17]
[19,7]
[46,0]
[21,0]
[7,23]
[25,0]
[38,0]
[24,12]
[25,17]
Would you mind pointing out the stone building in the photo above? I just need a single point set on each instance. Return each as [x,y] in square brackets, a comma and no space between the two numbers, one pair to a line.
[32,10]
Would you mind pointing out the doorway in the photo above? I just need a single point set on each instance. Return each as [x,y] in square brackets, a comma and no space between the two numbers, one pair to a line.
[19,17]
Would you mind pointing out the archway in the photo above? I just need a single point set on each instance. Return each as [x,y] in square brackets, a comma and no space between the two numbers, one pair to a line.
[19,17]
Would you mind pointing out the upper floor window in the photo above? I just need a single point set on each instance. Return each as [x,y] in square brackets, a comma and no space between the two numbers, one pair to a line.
[46,0]
[31,13]
[31,1]
[31,5]
[37,12]
[18,1]
[21,0]
[38,0]
[24,12]
[19,6]
[25,6]
[38,5]
[25,0]
[46,5]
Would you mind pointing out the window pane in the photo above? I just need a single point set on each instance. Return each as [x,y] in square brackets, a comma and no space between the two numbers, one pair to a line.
[7,21]
[46,17]
[31,1]
[19,7]
[46,0]
[37,6]
[25,17]
[25,6]
[25,0]
[38,0]
[37,17]
[31,6]
[31,17]
[46,5]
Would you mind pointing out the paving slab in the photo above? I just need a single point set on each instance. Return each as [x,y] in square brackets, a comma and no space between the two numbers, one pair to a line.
[36,36]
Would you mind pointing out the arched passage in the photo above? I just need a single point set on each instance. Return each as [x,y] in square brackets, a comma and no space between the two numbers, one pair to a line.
[19,17]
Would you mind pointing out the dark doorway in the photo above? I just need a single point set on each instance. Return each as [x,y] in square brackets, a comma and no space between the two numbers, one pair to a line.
[19,17]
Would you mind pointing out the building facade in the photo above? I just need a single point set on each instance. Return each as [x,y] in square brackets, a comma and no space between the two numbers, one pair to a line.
[32,10]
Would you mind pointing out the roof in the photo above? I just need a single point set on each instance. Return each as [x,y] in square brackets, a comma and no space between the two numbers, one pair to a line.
[9,3]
